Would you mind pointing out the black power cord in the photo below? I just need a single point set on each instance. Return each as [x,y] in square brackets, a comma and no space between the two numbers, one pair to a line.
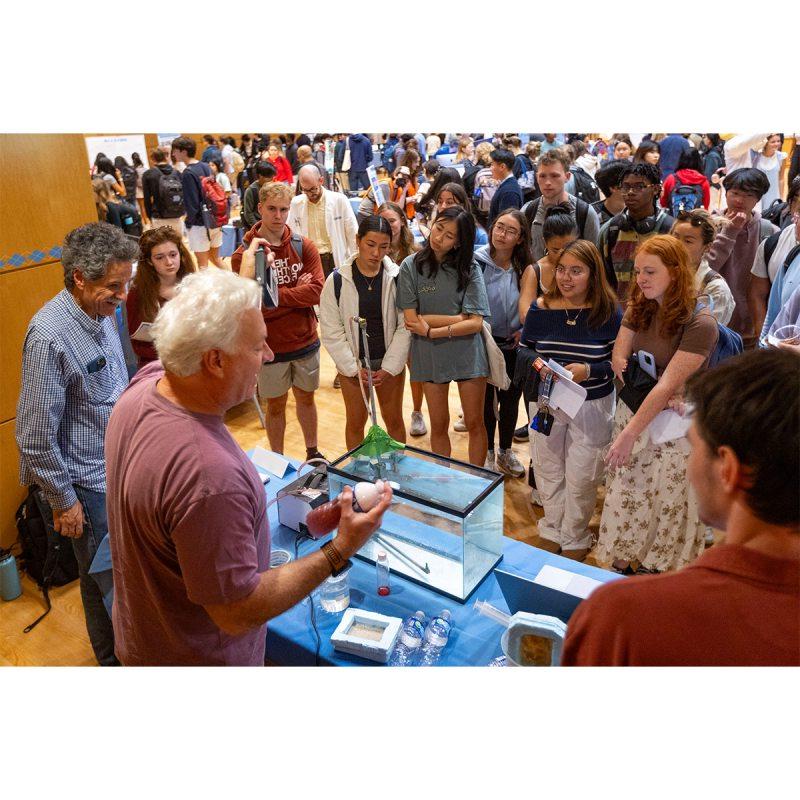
[313,613]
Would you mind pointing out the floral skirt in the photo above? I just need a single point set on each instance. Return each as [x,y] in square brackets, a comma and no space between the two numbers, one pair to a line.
[650,512]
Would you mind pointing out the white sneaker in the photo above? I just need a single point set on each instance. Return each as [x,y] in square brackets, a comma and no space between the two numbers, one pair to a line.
[417,424]
[536,500]
[489,463]
[508,462]
[459,423]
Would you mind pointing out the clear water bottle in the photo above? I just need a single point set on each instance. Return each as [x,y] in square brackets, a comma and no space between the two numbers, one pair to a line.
[436,637]
[409,642]
[382,574]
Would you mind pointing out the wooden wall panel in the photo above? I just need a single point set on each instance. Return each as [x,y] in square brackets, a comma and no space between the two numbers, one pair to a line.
[45,190]
[11,493]
[22,293]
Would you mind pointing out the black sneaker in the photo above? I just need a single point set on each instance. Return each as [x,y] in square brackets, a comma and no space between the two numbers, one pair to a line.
[521,434]
[314,454]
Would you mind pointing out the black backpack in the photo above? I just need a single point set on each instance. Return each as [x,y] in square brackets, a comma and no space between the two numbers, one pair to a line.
[170,195]
[129,179]
[774,212]
[130,220]
[581,213]
[585,187]
[46,556]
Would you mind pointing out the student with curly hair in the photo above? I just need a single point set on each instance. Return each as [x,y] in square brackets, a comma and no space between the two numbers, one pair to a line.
[650,518]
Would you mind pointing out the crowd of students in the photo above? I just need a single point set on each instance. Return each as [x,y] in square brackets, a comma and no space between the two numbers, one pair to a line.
[589,252]
[594,253]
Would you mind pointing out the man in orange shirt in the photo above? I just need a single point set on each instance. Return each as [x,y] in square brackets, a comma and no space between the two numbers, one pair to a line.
[739,603]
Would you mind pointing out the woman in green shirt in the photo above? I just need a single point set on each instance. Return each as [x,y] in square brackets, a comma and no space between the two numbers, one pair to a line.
[443,297]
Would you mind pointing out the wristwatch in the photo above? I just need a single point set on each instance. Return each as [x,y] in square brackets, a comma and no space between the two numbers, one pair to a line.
[338,564]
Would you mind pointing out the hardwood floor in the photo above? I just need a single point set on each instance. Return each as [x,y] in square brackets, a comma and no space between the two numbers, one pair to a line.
[61,638]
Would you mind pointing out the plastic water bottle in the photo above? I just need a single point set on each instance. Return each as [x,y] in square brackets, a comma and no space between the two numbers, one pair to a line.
[408,643]
[436,637]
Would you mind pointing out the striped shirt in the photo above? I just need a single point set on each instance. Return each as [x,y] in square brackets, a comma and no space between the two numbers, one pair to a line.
[546,331]
[73,372]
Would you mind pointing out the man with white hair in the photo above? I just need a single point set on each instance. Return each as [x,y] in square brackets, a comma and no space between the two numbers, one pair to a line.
[325,217]
[73,371]
[190,538]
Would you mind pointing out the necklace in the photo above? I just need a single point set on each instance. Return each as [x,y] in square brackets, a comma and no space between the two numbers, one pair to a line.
[572,321]
[364,277]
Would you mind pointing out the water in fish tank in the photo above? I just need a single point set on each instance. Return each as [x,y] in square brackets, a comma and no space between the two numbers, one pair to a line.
[444,528]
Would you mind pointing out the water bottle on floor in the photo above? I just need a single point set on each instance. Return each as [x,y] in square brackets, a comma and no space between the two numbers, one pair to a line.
[408,643]
[436,637]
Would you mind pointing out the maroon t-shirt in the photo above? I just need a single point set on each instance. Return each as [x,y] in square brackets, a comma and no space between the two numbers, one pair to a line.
[188,522]
[733,606]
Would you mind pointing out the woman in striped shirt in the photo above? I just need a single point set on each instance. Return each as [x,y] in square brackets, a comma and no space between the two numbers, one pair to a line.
[574,323]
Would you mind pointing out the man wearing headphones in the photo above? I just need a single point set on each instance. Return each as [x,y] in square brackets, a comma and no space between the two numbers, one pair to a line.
[639,220]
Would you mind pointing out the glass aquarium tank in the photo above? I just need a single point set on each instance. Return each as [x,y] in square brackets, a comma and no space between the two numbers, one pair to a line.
[444,529]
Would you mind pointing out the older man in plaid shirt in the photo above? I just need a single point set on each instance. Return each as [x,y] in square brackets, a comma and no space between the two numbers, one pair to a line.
[73,371]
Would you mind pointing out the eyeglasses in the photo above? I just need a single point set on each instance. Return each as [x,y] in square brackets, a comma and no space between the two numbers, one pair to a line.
[633,188]
[502,229]
[575,272]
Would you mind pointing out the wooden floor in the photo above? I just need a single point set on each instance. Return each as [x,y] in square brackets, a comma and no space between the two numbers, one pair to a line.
[61,639]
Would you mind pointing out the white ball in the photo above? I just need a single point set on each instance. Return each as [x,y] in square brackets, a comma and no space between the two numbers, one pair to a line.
[365,496]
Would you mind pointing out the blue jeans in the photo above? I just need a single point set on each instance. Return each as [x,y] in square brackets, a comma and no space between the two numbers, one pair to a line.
[358,180]
[95,527]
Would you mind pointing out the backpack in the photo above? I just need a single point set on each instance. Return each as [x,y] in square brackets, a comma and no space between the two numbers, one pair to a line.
[129,180]
[773,213]
[130,220]
[581,213]
[213,202]
[585,186]
[46,556]
[170,195]
[527,181]
[485,187]
[729,343]
[685,197]
[387,158]
[769,247]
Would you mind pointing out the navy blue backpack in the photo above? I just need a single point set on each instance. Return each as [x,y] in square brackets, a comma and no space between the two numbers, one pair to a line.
[729,343]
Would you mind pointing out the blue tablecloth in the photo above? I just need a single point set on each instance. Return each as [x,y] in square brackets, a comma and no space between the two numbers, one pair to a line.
[475,639]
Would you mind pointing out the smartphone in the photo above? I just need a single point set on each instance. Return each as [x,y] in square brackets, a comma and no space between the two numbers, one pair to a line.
[648,364]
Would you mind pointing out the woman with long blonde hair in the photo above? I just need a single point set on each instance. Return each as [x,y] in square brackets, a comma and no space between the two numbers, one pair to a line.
[650,520]
[163,263]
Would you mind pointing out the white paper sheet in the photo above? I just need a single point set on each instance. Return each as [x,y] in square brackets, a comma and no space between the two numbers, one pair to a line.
[566,394]
[268,461]
[143,333]
[668,425]
[567,582]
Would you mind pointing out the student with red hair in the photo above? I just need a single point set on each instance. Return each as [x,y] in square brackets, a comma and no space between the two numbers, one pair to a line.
[650,519]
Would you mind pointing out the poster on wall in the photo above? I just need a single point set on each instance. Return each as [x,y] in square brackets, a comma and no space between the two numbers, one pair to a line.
[114,146]
[165,139]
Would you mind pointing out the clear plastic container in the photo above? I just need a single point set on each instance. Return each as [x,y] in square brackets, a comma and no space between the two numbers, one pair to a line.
[277,558]
[334,593]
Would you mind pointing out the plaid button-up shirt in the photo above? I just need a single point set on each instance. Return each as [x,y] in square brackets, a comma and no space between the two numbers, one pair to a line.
[73,372]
